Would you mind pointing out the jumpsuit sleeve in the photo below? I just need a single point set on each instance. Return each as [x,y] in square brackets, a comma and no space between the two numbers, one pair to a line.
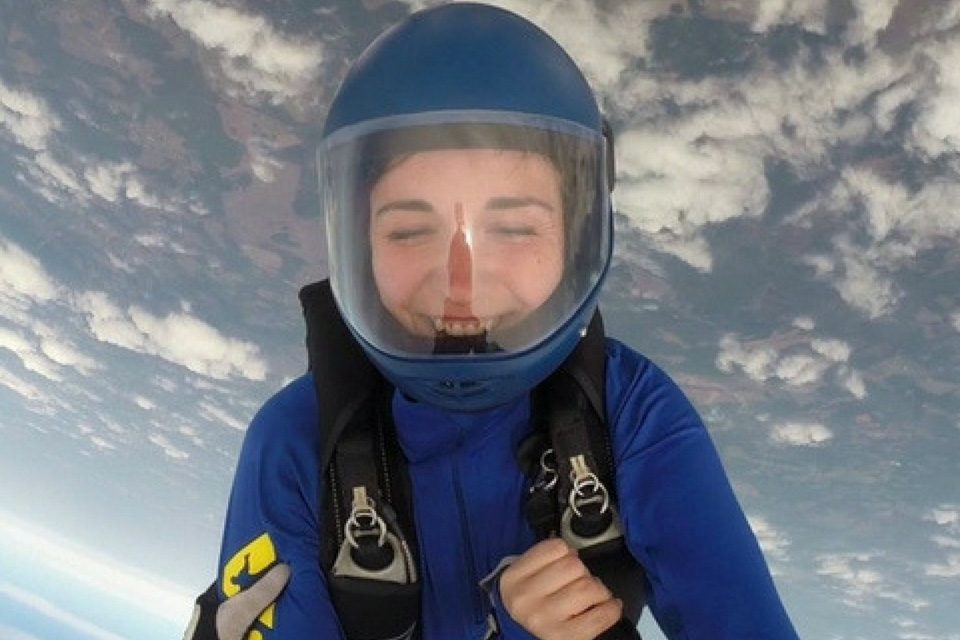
[273,517]
[707,578]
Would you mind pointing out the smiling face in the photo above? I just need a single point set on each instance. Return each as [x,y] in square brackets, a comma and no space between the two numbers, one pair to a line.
[466,241]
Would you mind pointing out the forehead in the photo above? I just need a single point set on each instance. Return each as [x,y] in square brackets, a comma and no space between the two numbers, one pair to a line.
[480,168]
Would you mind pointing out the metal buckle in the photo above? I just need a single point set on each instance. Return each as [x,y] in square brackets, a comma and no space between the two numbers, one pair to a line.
[365,521]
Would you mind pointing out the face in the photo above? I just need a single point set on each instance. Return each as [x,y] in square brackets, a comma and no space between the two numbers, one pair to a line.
[466,241]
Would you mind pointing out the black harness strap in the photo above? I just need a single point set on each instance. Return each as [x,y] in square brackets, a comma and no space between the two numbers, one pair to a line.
[359,451]
[574,415]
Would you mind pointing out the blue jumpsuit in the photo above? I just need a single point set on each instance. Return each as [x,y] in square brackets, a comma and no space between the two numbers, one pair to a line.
[707,577]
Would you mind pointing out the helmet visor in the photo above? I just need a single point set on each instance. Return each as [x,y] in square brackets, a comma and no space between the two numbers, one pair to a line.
[463,236]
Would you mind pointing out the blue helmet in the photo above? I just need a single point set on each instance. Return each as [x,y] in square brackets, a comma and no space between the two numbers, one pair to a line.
[465,174]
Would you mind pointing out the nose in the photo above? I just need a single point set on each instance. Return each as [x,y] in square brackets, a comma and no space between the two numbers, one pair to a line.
[460,270]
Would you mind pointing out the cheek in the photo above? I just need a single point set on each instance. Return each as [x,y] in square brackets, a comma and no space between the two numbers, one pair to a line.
[533,272]
[399,274]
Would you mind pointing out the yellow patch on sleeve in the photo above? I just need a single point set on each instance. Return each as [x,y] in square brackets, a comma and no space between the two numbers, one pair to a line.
[243,569]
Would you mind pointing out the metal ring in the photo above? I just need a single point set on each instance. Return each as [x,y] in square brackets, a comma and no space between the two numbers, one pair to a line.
[547,470]
[576,492]
[353,522]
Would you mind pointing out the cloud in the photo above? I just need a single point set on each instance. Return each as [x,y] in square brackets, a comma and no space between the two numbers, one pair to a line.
[863,287]
[144,592]
[804,323]
[794,359]
[947,519]
[862,583]
[680,176]
[936,131]
[249,50]
[955,320]
[217,415]
[10,633]
[168,447]
[831,349]
[177,337]
[23,280]
[21,387]
[801,434]
[65,354]
[29,356]
[47,609]
[27,117]
[144,403]
[773,542]
[764,14]
[852,381]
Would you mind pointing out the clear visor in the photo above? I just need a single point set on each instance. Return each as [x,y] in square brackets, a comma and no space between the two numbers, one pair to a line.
[466,236]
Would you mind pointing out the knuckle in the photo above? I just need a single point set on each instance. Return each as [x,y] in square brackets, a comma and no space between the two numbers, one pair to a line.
[572,566]
[554,546]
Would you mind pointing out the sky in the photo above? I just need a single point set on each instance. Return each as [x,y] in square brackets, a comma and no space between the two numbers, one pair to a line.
[787,249]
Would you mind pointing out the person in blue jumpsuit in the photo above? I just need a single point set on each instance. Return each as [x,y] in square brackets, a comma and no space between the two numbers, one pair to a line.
[465,181]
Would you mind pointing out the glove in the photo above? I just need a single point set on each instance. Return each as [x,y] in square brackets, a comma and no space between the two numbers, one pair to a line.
[230,620]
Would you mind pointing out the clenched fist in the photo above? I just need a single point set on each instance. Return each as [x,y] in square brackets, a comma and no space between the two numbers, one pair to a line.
[550,592]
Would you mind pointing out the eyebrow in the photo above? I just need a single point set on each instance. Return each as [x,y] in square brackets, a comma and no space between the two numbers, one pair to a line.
[499,203]
[421,206]
[502,203]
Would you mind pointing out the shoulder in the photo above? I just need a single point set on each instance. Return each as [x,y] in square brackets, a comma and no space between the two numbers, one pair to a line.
[285,423]
[644,405]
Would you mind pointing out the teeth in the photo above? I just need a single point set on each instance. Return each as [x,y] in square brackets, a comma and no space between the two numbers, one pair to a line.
[462,327]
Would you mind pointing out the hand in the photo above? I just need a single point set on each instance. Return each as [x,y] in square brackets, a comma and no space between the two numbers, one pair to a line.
[550,592]
[230,620]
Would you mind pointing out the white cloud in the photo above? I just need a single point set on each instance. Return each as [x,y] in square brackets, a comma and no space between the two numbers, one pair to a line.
[51,611]
[936,130]
[946,515]
[872,16]
[168,447]
[28,354]
[804,323]
[831,349]
[218,415]
[27,117]
[955,320]
[947,518]
[773,542]
[764,14]
[65,354]
[948,569]
[144,592]
[757,362]
[177,337]
[801,434]
[793,359]
[144,403]
[865,288]
[250,51]
[801,369]
[10,633]
[23,280]
[852,381]
[677,177]
[21,387]
[862,583]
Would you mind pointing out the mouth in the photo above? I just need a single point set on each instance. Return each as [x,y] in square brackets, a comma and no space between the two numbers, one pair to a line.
[463,326]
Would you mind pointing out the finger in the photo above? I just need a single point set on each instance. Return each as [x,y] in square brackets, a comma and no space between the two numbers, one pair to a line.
[578,597]
[592,622]
[536,557]
[555,576]
[235,616]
